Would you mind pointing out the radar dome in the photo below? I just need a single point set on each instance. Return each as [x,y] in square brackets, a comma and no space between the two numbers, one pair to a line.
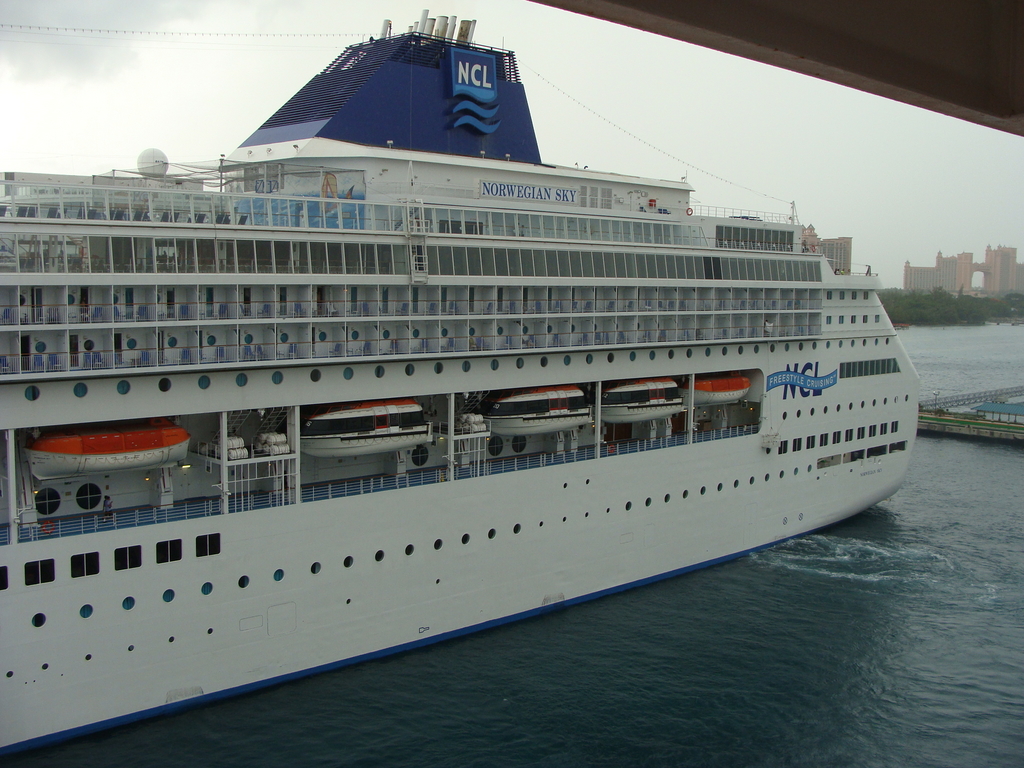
[153,163]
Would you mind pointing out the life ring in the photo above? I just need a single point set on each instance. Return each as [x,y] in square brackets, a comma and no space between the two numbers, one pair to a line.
[689,211]
[48,527]
[814,248]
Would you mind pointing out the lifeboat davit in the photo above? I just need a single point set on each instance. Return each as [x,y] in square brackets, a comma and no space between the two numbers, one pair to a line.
[103,448]
[373,426]
[642,400]
[536,411]
[719,389]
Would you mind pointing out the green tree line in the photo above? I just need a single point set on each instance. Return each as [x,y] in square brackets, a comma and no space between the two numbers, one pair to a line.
[939,307]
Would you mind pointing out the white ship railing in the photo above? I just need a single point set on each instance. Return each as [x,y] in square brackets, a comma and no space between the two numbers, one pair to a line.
[334,489]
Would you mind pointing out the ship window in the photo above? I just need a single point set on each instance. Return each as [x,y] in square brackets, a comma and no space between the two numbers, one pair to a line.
[208,544]
[823,439]
[836,436]
[3,577]
[128,557]
[47,501]
[39,572]
[860,433]
[900,446]
[419,455]
[810,442]
[895,426]
[168,551]
[519,443]
[494,445]
[872,431]
[86,564]
[88,496]
[848,436]
[798,444]
[783,446]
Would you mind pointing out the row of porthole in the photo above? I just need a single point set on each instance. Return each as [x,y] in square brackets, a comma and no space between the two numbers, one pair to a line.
[839,406]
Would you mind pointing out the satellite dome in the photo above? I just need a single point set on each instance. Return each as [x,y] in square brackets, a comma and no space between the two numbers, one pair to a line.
[153,163]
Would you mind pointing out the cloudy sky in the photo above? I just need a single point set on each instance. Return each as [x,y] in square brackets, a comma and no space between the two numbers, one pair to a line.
[903,182]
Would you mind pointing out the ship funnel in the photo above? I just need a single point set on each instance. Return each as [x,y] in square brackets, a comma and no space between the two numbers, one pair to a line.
[441,27]
[385,30]
[423,20]
[431,25]
[466,29]
[451,27]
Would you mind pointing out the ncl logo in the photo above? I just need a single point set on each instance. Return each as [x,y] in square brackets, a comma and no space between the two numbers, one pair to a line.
[474,75]
[803,379]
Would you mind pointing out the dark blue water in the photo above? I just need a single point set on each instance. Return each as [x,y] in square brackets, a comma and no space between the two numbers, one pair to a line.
[894,639]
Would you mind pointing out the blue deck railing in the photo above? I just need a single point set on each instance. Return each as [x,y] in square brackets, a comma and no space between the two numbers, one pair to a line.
[334,489]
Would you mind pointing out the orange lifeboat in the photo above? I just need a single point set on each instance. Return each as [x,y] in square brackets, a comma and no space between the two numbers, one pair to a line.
[103,448]
[720,389]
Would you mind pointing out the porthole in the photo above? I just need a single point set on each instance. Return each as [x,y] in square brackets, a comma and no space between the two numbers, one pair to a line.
[379,371]
[517,528]
[466,365]
[520,362]
[419,455]
[543,361]
[284,338]
[689,353]
[207,588]
[410,369]
[840,344]
[40,346]
[355,335]
[438,367]
[814,345]
[707,351]
[567,360]
[785,415]
[32,392]
[278,574]
[81,389]
[379,555]
[277,377]
[128,603]
[172,341]
[123,387]
[796,470]
[491,533]
[703,490]
[168,595]
[444,332]
[494,365]
[47,501]
[632,356]
[874,403]
[812,411]
[519,443]
[800,346]
[131,648]
[409,549]
[766,477]
[348,373]
[648,502]
[686,494]
[782,474]
[415,333]
[590,359]
[314,375]
[241,380]
[735,483]
[243,581]
[719,487]
[629,505]
[757,348]
[38,620]
[438,543]
[739,350]
[247,338]
[88,496]
[164,385]
[204,382]
[131,343]
[668,497]
[725,351]
[751,479]
[348,561]
[495,444]
[322,336]
[828,345]
[85,611]
[808,469]
[652,354]
[611,357]
[315,568]
[787,346]
[465,538]
[387,334]
[771,347]
[798,414]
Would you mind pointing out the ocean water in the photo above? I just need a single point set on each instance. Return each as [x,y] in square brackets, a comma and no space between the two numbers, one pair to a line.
[893,639]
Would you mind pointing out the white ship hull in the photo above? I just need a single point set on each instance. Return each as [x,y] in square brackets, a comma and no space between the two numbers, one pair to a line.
[272,631]
[630,414]
[328,446]
[536,424]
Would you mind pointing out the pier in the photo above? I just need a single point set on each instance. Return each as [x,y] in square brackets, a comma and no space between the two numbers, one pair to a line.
[932,418]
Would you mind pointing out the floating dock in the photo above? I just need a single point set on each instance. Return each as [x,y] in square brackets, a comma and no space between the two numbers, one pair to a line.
[969,426]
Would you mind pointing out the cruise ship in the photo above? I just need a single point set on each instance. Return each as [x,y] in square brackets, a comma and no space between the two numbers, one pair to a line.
[382,377]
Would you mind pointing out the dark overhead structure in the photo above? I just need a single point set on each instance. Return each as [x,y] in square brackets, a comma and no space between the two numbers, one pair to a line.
[963,58]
